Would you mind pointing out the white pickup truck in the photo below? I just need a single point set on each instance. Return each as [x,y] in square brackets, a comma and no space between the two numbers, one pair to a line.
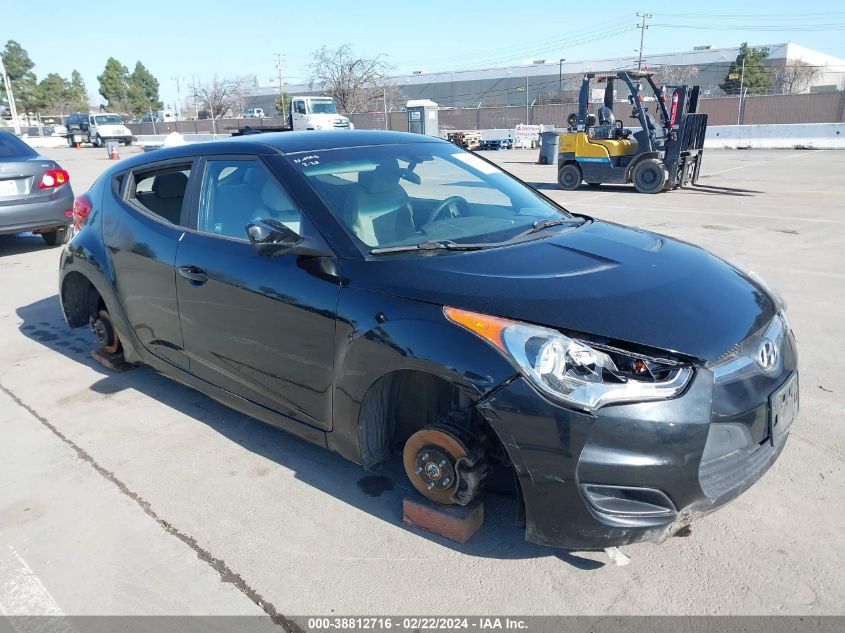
[96,128]
[316,113]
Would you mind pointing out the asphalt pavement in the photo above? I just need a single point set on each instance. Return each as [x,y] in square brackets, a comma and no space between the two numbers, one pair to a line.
[126,493]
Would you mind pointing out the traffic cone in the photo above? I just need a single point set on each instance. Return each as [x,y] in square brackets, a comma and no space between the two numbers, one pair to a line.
[114,154]
[77,146]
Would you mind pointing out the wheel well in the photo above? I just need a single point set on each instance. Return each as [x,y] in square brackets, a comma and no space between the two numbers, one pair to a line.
[80,299]
[399,404]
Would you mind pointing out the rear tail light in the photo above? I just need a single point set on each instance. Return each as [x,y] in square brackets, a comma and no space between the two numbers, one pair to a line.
[81,209]
[54,178]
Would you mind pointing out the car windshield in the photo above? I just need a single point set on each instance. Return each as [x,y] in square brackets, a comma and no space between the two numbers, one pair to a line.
[108,119]
[424,193]
[323,106]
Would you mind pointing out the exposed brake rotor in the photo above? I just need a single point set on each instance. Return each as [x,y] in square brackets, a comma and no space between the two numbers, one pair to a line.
[104,332]
[430,456]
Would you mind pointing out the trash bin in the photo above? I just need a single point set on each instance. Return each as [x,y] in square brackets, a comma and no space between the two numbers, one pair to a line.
[111,147]
[549,144]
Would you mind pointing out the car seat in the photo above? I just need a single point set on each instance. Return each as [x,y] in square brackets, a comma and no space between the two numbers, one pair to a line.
[277,205]
[378,210]
[168,192]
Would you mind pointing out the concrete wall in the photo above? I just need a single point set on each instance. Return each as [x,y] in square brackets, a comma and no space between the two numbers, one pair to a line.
[815,136]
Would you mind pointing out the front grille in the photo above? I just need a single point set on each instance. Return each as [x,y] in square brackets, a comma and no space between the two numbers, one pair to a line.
[739,444]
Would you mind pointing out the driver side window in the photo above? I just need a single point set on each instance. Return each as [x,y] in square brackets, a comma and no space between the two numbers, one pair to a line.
[236,192]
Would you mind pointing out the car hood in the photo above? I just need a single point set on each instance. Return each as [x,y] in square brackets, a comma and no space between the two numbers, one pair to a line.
[599,279]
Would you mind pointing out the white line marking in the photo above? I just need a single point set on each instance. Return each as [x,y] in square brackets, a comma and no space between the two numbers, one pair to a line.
[765,162]
[21,591]
[681,211]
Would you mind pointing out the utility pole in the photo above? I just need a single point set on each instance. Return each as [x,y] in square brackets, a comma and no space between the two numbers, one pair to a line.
[526,100]
[178,103]
[280,66]
[741,83]
[384,96]
[645,17]
[560,81]
[13,110]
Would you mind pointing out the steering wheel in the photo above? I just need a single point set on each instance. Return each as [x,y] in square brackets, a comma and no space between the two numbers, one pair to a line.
[454,205]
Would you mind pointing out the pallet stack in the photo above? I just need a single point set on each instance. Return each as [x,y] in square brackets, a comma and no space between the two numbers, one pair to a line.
[468,139]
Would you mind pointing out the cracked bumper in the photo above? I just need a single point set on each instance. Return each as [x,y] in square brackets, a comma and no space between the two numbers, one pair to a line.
[625,474]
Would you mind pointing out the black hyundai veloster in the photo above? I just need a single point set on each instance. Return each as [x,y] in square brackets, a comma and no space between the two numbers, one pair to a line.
[391,296]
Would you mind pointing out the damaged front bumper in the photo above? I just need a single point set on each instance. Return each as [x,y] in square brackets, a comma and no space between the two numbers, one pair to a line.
[638,472]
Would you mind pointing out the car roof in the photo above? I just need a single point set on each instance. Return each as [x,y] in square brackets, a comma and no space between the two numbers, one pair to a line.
[284,142]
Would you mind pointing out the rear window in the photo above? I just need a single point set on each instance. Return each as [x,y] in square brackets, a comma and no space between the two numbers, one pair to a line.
[12,147]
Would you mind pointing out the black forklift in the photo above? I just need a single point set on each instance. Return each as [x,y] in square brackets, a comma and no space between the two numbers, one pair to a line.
[663,155]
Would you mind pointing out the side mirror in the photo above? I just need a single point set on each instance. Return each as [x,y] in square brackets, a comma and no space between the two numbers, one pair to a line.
[271,237]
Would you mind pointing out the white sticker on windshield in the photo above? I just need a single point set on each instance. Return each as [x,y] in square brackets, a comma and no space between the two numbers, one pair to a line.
[476,163]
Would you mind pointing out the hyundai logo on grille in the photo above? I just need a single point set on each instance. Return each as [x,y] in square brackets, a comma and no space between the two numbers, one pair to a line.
[767,355]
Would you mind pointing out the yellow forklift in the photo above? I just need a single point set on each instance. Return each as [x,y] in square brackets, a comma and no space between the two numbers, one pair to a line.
[662,155]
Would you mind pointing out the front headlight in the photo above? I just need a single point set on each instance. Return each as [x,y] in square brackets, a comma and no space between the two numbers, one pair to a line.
[573,371]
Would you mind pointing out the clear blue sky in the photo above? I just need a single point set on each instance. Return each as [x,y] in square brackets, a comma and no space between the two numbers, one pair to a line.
[185,38]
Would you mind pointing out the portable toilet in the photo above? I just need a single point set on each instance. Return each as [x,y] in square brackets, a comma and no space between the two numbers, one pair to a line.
[422,117]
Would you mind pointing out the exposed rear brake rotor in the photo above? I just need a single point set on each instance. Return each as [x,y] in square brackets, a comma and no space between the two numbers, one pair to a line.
[105,333]
[429,457]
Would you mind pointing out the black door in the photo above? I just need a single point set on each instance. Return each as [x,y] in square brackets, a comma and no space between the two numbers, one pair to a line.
[260,327]
[142,235]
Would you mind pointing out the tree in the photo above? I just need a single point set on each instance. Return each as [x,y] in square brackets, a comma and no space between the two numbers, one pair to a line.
[78,97]
[795,76]
[220,96]
[142,91]
[753,77]
[114,84]
[282,104]
[53,93]
[19,70]
[676,75]
[356,83]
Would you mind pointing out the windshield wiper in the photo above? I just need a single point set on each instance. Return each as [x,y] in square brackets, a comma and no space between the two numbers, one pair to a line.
[430,245]
[542,225]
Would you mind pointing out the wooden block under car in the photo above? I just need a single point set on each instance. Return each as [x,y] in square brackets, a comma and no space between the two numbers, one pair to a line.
[112,361]
[457,523]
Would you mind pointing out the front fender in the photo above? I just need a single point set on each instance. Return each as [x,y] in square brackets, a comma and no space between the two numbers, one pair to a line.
[378,334]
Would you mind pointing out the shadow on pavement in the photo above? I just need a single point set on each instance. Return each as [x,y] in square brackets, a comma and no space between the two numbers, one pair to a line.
[23,243]
[379,494]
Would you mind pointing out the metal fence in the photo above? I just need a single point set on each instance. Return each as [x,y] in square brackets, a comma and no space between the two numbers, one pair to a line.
[822,107]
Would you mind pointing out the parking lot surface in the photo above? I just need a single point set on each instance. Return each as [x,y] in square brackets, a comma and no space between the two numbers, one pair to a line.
[129,493]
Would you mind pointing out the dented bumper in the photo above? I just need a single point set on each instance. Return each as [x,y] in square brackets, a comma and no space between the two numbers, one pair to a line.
[637,472]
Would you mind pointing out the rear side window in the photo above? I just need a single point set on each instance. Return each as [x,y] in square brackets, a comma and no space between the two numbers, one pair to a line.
[12,147]
[162,191]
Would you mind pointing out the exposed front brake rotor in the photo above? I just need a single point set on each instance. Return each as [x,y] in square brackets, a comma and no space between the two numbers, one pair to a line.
[429,458]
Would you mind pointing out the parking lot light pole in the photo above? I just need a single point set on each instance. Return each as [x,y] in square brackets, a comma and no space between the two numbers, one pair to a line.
[13,110]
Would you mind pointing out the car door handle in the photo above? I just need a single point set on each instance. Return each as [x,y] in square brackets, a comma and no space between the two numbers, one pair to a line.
[193,274]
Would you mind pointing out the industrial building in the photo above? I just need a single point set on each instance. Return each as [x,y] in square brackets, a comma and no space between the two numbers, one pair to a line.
[553,80]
